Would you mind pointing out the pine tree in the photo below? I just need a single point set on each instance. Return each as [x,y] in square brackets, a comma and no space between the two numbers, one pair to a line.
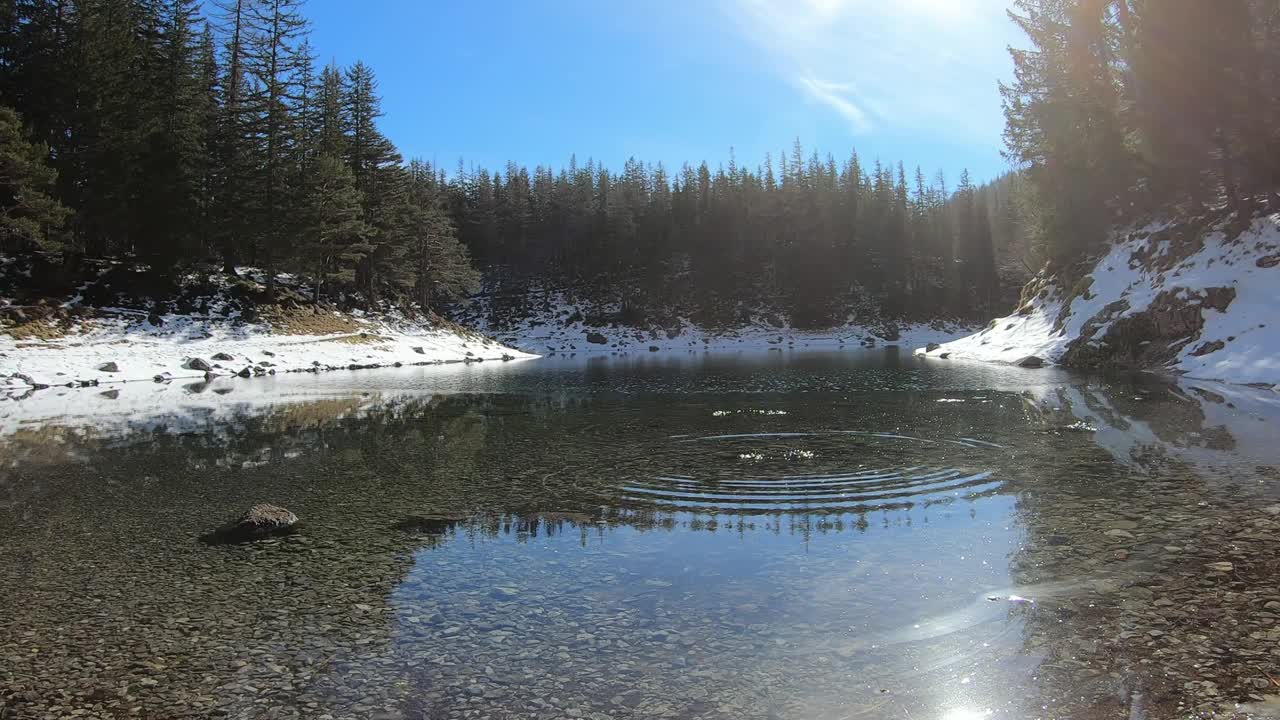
[442,270]
[173,150]
[275,60]
[376,166]
[29,214]
[333,225]
[1062,113]
[208,116]
[330,139]
[233,195]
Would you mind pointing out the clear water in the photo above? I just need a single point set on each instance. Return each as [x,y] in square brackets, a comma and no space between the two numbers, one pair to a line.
[755,536]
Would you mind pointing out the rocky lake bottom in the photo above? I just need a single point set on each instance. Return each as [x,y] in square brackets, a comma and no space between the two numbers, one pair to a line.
[780,535]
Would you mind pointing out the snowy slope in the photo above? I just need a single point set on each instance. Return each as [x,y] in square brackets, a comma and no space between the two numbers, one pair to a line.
[560,327]
[1156,278]
[86,344]
[142,351]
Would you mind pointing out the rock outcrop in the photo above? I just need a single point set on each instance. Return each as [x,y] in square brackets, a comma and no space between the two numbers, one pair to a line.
[1192,297]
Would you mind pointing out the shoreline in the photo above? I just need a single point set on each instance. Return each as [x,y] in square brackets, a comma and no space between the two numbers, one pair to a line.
[187,348]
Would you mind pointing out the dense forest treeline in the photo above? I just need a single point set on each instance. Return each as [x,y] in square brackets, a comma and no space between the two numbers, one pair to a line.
[180,135]
[809,237]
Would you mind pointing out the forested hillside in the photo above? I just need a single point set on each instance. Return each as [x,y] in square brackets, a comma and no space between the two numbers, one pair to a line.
[177,135]
[1124,110]
[193,138]
[1150,137]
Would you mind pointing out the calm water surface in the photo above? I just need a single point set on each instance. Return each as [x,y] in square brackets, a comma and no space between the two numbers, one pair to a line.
[757,536]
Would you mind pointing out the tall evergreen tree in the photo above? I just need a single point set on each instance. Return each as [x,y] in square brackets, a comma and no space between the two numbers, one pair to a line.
[276,59]
[29,214]
[172,150]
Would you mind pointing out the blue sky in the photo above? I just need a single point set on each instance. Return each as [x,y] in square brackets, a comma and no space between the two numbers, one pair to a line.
[674,80]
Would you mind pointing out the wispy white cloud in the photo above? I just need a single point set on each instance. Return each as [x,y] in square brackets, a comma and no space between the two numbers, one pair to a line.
[905,64]
[840,97]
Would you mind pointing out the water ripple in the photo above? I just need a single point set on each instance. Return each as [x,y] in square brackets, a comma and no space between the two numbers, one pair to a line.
[718,486]
[846,492]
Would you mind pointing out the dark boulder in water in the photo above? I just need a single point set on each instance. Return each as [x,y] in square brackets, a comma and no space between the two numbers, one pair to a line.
[261,521]
[1030,361]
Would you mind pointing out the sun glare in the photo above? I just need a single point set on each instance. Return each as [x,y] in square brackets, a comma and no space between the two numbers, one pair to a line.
[965,714]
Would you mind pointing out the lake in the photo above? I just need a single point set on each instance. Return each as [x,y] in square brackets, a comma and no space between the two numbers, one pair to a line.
[774,535]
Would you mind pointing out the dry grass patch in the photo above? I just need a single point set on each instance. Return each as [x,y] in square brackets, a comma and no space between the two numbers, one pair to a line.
[36,330]
[304,321]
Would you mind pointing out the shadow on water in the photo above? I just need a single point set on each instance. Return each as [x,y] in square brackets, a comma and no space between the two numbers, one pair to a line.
[815,536]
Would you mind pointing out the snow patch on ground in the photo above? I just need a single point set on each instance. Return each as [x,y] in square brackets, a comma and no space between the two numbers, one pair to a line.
[1135,272]
[560,328]
[141,351]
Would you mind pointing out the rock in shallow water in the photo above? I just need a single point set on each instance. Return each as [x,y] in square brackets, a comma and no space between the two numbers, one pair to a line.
[261,521]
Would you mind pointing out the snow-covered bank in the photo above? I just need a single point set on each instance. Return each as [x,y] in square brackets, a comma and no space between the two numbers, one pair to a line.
[121,351]
[558,325]
[1191,300]
[208,328]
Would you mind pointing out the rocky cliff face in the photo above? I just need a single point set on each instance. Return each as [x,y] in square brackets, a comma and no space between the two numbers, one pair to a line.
[1191,297]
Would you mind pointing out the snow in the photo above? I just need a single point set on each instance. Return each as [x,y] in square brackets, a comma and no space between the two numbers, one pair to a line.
[1136,271]
[210,319]
[559,328]
[143,351]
